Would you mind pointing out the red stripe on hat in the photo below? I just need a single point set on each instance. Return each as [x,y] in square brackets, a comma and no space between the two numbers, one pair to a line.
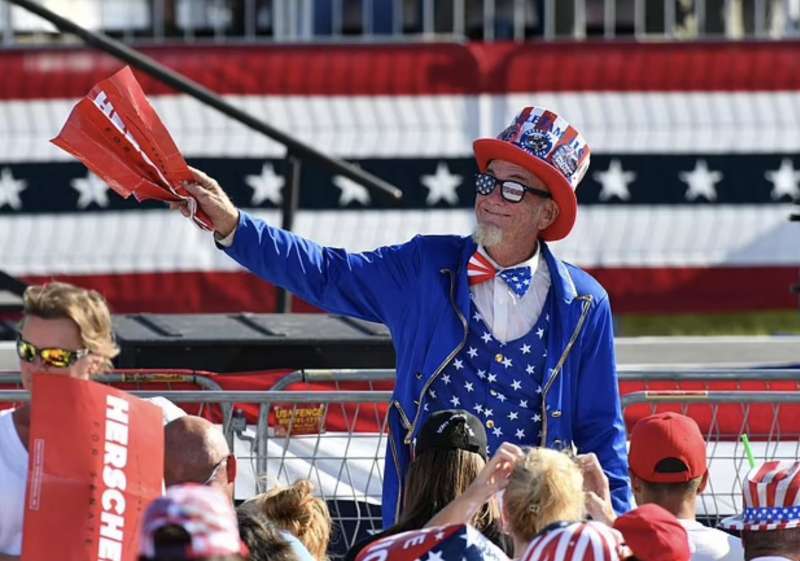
[573,542]
[548,552]
[791,498]
[753,482]
[546,120]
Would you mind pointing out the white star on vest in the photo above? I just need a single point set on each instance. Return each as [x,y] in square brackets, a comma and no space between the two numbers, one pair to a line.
[784,181]
[441,185]
[10,189]
[615,181]
[91,189]
[266,186]
[701,182]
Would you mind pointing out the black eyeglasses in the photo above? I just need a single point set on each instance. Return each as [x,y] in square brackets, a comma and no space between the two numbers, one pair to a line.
[51,356]
[512,191]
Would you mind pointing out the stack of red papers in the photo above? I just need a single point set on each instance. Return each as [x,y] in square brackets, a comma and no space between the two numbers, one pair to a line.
[117,134]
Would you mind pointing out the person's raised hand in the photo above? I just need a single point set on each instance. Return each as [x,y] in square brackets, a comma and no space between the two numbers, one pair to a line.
[597,492]
[212,200]
[494,476]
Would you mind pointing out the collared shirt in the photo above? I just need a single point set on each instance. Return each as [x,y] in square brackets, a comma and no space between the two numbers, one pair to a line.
[507,315]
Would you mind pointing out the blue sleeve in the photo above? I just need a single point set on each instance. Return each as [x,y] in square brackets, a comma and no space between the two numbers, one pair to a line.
[373,285]
[600,426]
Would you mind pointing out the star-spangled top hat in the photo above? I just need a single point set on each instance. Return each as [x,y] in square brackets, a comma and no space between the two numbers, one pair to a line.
[771,494]
[548,146]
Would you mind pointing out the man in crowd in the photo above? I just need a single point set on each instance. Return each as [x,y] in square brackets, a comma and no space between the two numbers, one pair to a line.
[770,522]
[195,451]
[669,468]
[494,324]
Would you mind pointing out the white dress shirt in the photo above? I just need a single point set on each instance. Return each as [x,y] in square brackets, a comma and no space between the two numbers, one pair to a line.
[508,316]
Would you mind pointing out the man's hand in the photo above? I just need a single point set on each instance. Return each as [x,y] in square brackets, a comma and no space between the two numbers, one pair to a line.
[213,201]
[596,489]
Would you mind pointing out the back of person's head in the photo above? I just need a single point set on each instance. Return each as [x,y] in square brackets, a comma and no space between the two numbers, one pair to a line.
[449,454]
[772,543]
[545,487]
[667,459]
[87,309]
[294,508]
[262,539]
[195,451]
[191,523]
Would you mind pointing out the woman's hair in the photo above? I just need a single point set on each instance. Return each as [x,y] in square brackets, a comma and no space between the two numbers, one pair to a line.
[262,539]
[545,487]
[434,479]
[296,510]
[86,308]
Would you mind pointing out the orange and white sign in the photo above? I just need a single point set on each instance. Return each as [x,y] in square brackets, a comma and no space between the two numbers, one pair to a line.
[96,458]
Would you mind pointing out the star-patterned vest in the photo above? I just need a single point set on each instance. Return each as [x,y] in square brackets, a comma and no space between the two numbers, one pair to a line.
[500,383]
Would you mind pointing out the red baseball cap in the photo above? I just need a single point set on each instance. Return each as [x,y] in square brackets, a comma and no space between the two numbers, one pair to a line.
[662,436]
[654,534]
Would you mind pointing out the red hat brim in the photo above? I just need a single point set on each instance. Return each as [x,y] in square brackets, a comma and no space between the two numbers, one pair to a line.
[488,149]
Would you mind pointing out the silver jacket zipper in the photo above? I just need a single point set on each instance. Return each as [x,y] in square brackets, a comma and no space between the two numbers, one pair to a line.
[587,306]
[410,434]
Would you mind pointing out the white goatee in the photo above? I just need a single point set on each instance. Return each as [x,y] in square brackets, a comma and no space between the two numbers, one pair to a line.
[487,235]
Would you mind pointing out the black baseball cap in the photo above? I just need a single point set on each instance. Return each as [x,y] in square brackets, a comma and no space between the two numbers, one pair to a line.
[452,429]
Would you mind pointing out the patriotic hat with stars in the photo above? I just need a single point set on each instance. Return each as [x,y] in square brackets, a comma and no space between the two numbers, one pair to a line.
[203,512]
[576,541]
[771,496]
[548,146]
[459,542]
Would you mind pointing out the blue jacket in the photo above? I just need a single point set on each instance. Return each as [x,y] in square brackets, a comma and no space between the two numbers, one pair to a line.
[419,290]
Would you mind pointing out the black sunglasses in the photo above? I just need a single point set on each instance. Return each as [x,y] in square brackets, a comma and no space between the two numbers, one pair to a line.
[512,191]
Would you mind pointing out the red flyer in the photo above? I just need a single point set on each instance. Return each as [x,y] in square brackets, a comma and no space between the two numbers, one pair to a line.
[117,134]
[96,460]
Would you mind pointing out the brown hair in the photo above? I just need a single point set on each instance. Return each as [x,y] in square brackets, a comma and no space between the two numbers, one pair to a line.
[262,539]
[545,487]
[785,542]
[86,308]
[296,510]
[433,480]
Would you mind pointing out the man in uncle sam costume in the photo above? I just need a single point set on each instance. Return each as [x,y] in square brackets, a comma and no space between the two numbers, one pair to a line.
[493,323]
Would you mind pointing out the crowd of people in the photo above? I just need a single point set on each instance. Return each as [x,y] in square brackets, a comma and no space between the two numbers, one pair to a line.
[520,498]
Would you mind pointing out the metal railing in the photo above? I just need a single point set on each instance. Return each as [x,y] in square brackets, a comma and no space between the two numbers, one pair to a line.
[723,417]
[220,21]
[346,463]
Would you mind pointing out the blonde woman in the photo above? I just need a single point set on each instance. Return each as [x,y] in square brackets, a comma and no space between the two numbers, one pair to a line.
[540,486]
[65,330]
[296,510]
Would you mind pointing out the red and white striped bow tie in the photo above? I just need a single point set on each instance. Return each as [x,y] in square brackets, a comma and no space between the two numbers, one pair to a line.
[480,270]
